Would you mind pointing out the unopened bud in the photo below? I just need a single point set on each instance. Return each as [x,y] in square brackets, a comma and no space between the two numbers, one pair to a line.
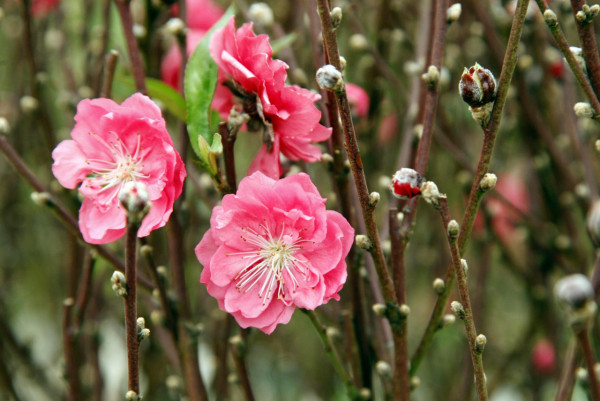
[132,396]
[119,284]
[593,223]
[550,18]
[448,319]
[363,242]
[364,394]
[28,104]
[488,182]
[578,54]
[157,317]
[379,309]
[453,229]
[328,77]
[477,86]
[332,333]
[174,382]
[41,198]
[4,126]
[358,41]
[406,183]
[404,310]
[327,158]
[480,342]
[143,334]
[415,382]
[374,198]
[336,17]
[134,198]
[574,290]
[343,63]
[465,266]
[458,309]
[146,250]
[139,31]
[453,13]
[383,369]
[439,286]
[583,110]
[432,76]
[237,343]
[175,26]
[430,192]
[261,14]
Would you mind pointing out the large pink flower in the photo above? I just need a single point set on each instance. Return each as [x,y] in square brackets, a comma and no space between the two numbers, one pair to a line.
[201,16]
[273,247]
[286,114]
[114,144]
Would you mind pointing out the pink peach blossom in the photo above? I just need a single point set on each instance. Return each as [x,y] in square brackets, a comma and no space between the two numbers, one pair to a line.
[273,247]
[112,145]
[504,218]
[358,98]
[287,114]
[40,8]
[201,15]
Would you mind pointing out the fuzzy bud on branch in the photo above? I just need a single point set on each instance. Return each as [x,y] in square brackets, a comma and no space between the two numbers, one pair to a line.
[328,77]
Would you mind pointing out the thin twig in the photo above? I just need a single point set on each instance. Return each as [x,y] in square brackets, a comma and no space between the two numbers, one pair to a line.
[590,360]
[463,291]
[70,352]
[110,63]
[130,301]
[567,379]
[83,293]
[585,29]
[239,356]
[135,57]
[229,138]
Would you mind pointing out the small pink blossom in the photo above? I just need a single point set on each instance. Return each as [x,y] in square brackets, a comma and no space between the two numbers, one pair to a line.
[201,15]
[504,218]
[406,183]
[112,145]
[543,357]
[358,99]
[40,8]
[273,247]
[286,114]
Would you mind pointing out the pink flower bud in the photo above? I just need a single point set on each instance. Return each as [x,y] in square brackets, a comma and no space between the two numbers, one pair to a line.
[406,183]
[543,357]
[477,86]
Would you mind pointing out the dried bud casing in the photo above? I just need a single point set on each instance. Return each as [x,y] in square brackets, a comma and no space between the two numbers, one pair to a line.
[477,86]
[406,183]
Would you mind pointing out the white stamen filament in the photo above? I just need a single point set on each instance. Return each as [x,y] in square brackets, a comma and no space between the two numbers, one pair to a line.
[266,262]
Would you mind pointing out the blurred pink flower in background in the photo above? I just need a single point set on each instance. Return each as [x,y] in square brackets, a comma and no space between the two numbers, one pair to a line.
[40,8]
[245,63]
[273,247]
[358,98]
[543,357]
[504,218]
[112,145]
[201,15]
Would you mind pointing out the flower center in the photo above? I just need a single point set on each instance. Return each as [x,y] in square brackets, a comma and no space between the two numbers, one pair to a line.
[121,168]
[270,263]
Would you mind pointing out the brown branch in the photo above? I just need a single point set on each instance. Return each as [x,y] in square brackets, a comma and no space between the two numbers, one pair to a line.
[135,57]
[130,300]
[585,29]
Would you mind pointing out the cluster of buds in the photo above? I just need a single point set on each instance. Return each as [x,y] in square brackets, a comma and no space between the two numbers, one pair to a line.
[478,87]
[408,183]
[587,13]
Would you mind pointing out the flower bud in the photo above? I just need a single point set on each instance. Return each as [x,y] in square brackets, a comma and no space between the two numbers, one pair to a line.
[480,342]
[406,183]
[448,319]
[574,290]
[336,17]
[379,309]
[358,41]
[374,198]
[458,309]
[139,31]
[328,77]
[453,13]
[4,126]
[439,286]
[132,396]
[28,104]
[488,182]
[578,54]
[593,223]
[363,242]
[477,86]
[464,266]
[415,382]
[430,193]
[134,198]
[41,198]
[550,18]
[175,26]
[383,369]
[261,14]
[583,110]
[453,228]
[119,284]
[432,76]
[543,357]
[332,333]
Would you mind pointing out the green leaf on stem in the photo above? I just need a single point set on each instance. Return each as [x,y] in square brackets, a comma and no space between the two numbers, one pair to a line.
[200,84]
[157,89]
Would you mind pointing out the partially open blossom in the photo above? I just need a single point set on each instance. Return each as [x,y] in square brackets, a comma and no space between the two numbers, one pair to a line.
[406,183]
[201,15]
[477,86]
[255,83]
[358,99]
[273,247]
[112,145]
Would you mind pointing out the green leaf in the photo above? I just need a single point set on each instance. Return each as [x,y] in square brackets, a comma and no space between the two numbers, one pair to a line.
[200,84]
[283,42]
[157,89]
